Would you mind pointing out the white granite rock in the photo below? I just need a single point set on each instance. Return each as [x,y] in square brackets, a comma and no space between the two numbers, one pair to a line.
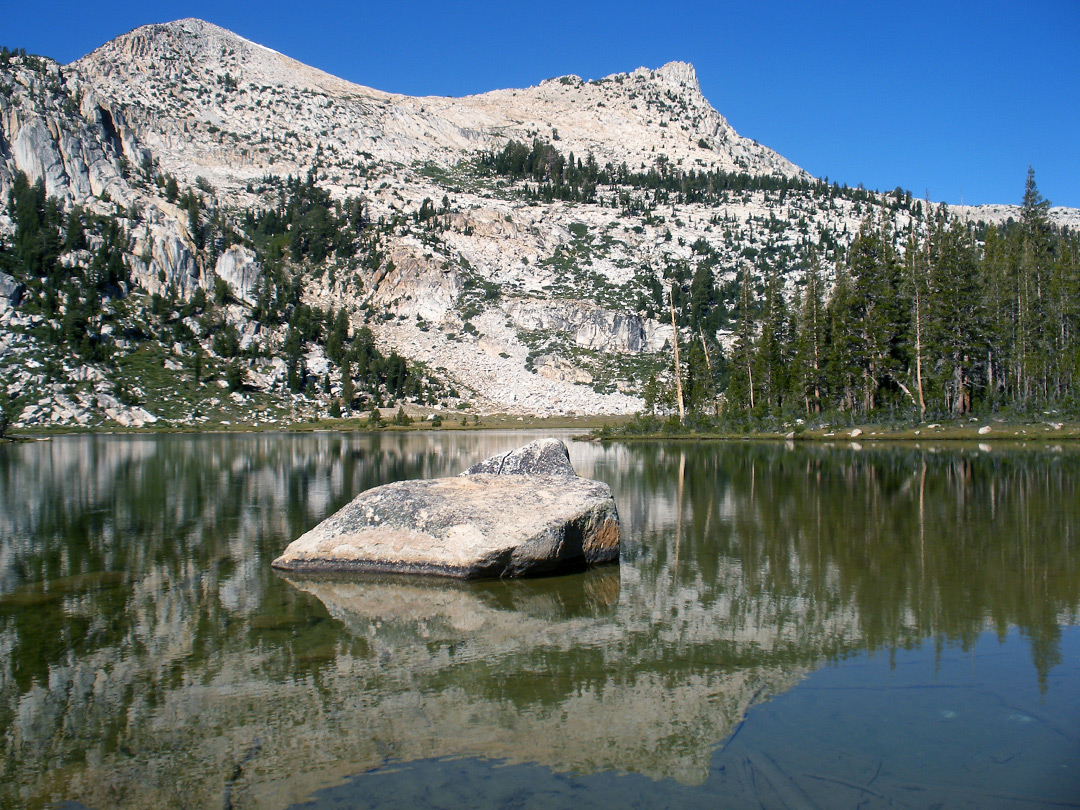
[517,514]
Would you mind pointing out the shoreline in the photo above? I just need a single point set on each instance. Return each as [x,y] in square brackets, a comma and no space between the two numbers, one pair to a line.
[604,429]
[856,435]
[451,422]
[982,431]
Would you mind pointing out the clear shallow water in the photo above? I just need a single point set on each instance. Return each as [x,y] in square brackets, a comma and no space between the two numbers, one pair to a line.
[919,729]
[789,626]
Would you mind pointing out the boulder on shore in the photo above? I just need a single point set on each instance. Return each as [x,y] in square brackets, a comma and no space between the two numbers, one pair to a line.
[516,514]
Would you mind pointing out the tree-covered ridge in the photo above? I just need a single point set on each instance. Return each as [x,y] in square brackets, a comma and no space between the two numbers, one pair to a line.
[943,323]
[75,285]
[559,177]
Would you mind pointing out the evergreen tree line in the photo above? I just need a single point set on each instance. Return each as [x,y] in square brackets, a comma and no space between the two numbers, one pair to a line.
[558,177]
[943,325]
[365,372]
[569,179]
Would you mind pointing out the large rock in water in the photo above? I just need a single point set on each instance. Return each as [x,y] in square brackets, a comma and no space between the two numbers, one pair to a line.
[517,514]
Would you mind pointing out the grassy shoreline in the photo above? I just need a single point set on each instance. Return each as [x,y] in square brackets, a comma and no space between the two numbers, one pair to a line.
[451,422]
[607,429]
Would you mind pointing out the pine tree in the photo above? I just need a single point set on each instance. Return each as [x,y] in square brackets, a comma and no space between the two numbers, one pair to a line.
[841,355]
[700,390]
[955,328]
[75,234]
[999,298]
[740,391]
[1066,294]
[809,341]
[348,388]
[294,363]
[702,296]
[1036,255]
[675,356]
[917,272]
[771,358]
[876,309]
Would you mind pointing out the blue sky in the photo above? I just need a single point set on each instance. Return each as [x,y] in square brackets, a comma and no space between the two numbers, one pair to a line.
[950,99]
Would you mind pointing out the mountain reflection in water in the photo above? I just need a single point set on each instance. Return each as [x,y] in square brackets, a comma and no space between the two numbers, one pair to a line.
[151,658]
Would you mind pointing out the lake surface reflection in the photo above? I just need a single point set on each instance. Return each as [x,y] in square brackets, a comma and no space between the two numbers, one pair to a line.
[789,626]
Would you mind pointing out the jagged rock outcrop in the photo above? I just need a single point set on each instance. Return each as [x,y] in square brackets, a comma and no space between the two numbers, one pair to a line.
[238,268]
[591,326]
[78,144]
[10,292]
[412,284]
[553,367]
[516,514]
[173,263]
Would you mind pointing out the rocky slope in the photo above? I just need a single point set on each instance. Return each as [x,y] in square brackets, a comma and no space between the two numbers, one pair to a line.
[510,301]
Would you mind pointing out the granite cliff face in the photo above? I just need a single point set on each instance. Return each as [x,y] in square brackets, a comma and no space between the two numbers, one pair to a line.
[57,130]
[516,300]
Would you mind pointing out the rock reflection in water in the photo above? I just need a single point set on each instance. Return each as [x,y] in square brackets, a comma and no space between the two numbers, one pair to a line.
[529,671]
[432,608]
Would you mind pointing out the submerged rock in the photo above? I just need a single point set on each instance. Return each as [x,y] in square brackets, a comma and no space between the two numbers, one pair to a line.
[516,514]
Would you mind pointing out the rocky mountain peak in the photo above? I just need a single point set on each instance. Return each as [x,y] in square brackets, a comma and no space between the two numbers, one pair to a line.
[172,41]
[209,103]
[189,36]
[192,55]
[679,74]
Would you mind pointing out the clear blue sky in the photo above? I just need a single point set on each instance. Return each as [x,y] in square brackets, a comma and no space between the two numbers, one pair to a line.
[947,98]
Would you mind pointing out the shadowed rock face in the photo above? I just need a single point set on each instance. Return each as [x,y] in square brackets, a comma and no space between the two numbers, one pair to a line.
[521,513]
[10,292]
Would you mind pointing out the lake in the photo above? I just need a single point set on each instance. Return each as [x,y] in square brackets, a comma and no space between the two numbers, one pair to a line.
[789,626]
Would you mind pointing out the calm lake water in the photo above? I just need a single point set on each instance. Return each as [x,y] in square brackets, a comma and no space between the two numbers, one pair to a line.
[789,626]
